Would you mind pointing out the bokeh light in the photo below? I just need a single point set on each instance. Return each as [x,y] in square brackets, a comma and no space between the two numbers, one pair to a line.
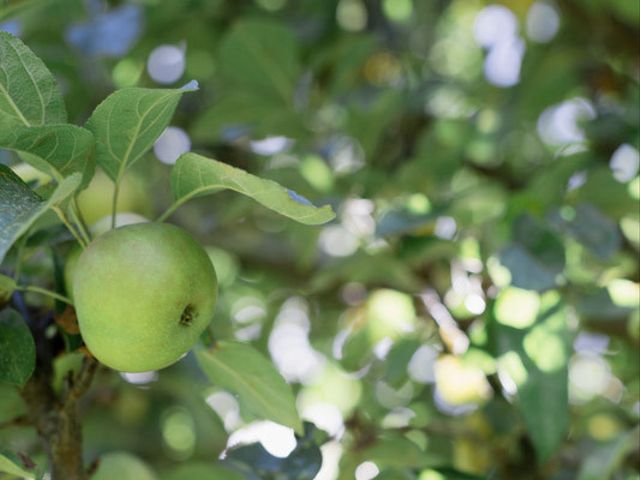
[171,144]
[166,64]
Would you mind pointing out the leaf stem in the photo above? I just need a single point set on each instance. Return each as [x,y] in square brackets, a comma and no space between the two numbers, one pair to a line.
[44,291]
[169,211]
[114,203]
[20,257]
[166,213]
[79,219]
[69,226]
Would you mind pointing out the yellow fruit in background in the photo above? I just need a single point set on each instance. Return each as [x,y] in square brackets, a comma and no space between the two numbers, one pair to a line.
[96,200]
[122,466]
[143,294]
[459,383]
[471,457]
[28,173]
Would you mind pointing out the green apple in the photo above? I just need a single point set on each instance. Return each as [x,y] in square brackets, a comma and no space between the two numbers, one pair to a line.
[143,295]
[101,226]
[122,466]
[96,200]
[122,219]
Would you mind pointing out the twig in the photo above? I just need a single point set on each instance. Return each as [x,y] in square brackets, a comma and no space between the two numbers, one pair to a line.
[44,291]
[19,421]
[79,384]
[56,416]
[18,301]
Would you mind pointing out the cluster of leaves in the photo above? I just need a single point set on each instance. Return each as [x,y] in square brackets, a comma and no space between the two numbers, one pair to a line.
[119,132]
[477,282]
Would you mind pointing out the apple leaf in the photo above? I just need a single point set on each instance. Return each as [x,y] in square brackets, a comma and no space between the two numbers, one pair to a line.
[260,56]
[58,150]
[194,175]
[20,206]
[247,109]
[244,371]
[303,463]
[17,349]
[29,94]
[7,287]
[128,122]
[607,456]
[198,470]
[11,464]
[542,350]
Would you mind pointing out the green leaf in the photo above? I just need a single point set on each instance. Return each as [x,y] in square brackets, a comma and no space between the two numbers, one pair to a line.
[20,206]
[58,150]
[29,94]
[536,358]
[303,463]
[398,360]
[200,471]
[260,56]
[11,403]
[11,464]
[606,459]
[241,369]
[593,229]
[128,122]
[368,123]
[195,175]
[17,349]
[536,257]
[7,287]
[393,450]
[453,474]
[345,59]
[18,8]
[249,109]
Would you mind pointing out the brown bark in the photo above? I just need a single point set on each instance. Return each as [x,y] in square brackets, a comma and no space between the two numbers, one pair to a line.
[56,419]
[55,415]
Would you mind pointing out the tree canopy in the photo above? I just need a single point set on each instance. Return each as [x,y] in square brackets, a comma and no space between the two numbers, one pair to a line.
[463,302]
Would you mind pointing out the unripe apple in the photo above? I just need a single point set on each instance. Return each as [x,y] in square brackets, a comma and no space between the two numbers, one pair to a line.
[122,466]
[122,219]
[96,200]
[101,226]
[143,295]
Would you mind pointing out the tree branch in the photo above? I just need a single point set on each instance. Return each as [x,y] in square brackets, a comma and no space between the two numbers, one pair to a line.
[55,417]
[19,421]
[79,385]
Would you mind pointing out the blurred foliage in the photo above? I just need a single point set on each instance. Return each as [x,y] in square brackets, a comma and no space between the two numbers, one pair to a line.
[473,310]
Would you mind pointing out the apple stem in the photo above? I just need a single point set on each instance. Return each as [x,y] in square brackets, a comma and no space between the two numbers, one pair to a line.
[77,216]
[114,204]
